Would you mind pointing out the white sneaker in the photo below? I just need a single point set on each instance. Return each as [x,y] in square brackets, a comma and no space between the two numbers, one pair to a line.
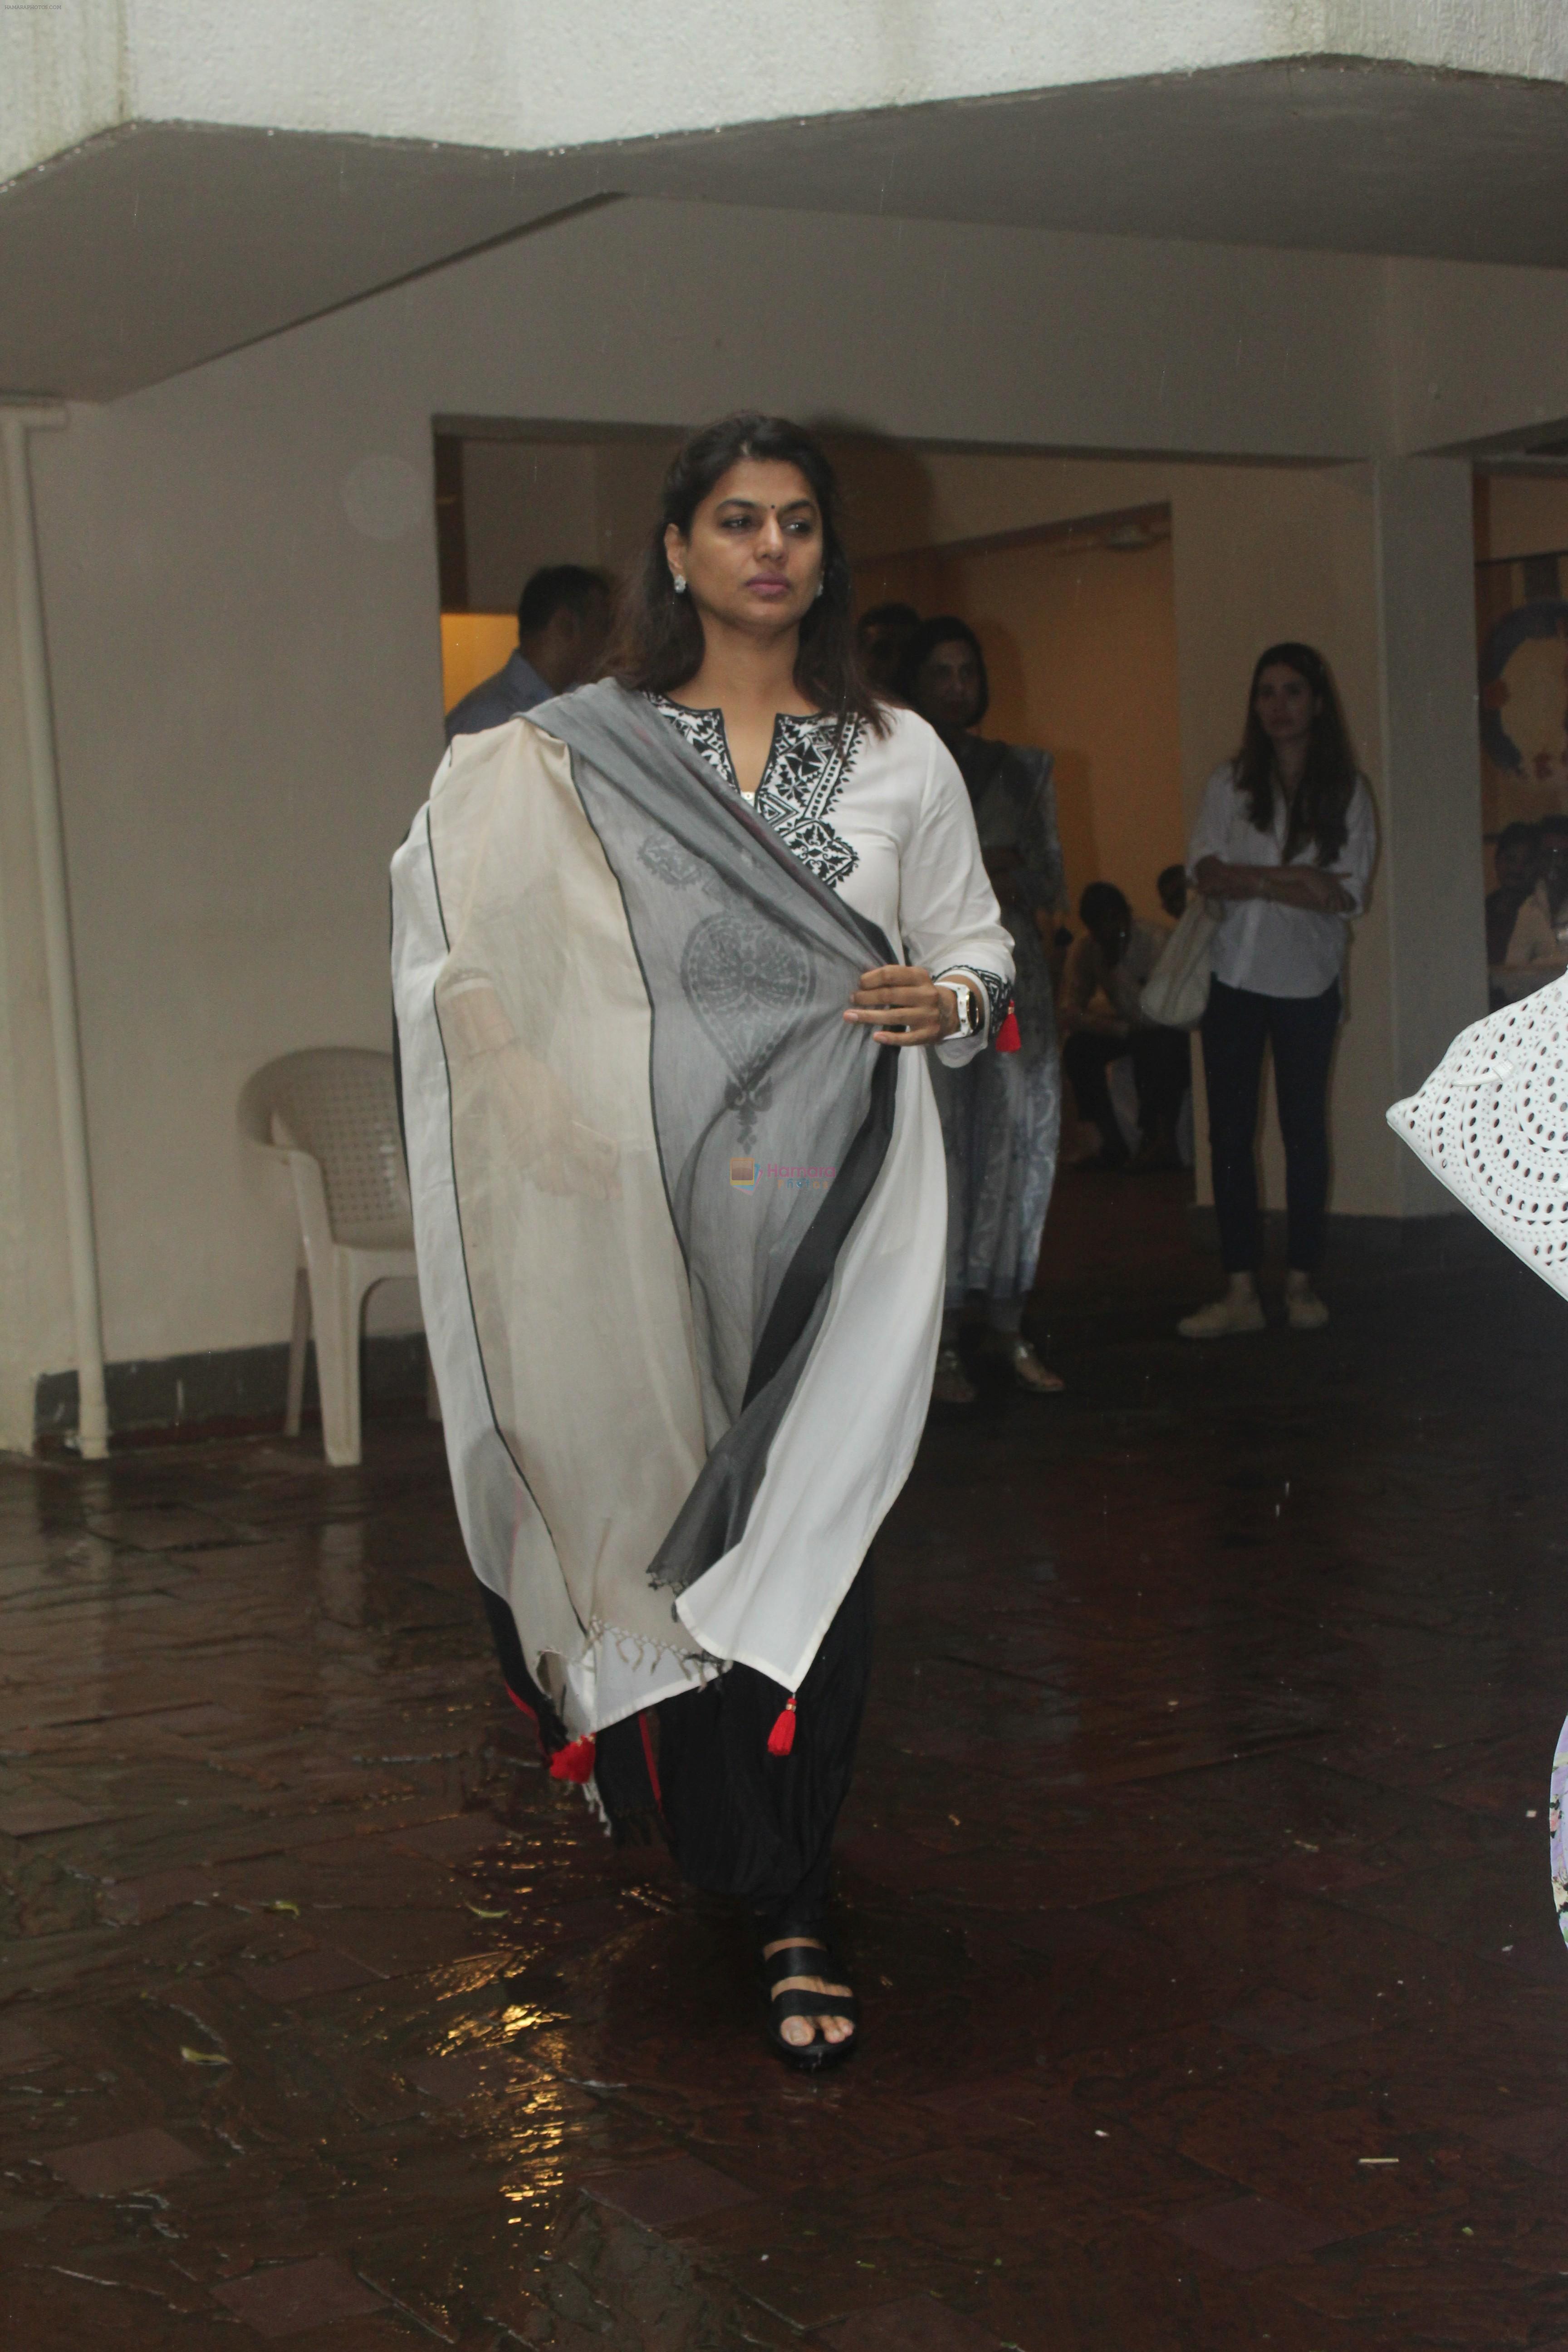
[1237,1311]
[1304,1310]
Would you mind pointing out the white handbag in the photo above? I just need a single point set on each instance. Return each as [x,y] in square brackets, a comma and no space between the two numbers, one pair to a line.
[1177,991]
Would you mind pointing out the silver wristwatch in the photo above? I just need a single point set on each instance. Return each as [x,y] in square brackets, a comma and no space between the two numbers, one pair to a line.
[968,1015]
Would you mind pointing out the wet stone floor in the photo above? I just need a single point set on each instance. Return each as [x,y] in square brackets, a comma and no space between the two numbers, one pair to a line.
[1195,1882]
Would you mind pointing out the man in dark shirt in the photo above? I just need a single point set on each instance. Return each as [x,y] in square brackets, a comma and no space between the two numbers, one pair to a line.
[562,623]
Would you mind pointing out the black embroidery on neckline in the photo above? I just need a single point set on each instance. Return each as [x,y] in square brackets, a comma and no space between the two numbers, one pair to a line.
[704,731]
[807,763]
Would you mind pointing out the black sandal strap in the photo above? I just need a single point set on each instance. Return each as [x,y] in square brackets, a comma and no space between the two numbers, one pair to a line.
[795,1960]
[787,1999]
[799,2002]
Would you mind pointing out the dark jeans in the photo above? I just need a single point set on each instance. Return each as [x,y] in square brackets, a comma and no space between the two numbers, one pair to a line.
[1161,1071]
[1301,1030]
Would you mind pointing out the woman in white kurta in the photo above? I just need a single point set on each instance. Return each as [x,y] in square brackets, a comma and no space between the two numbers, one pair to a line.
[661,950]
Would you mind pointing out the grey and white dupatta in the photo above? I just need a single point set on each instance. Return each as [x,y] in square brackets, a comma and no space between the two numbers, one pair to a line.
[680,1224]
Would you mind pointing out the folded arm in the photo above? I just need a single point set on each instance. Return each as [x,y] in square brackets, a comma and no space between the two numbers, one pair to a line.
[1315,889]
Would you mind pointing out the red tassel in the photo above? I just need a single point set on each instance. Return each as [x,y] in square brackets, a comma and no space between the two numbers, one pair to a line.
[781,1739]
[574,1762]
[1008,1040]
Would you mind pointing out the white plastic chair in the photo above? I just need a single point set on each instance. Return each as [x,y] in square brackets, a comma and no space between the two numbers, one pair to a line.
[331,1113]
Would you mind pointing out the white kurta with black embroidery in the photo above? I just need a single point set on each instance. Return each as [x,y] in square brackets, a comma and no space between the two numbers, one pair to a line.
[886,822]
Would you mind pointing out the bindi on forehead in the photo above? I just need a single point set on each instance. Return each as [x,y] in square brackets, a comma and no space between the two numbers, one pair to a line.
[768,506]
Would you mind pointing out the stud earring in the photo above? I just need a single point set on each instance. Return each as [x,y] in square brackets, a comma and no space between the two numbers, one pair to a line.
[820,586]
[680,580]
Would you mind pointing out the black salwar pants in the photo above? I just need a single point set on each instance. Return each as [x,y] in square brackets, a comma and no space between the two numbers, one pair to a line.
[740,1821]
[1236,1025]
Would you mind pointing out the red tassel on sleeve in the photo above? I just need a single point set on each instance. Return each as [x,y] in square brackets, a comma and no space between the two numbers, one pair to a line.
[781,1739]
[1008,1040]
[574,1762]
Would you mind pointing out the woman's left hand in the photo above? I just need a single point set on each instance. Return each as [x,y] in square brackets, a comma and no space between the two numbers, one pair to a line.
[1309,886]
[905,999]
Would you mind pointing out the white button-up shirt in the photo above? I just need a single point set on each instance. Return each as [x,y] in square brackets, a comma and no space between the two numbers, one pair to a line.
[1279,951]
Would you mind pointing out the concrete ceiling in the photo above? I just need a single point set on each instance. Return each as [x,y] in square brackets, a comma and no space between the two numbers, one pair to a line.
[155,247]
[149,249]
[1339,156]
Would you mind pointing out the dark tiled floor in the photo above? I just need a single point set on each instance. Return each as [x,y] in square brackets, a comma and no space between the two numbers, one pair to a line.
[1195,1884]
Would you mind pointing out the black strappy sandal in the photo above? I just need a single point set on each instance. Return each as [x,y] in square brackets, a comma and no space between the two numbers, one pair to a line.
[807,1960]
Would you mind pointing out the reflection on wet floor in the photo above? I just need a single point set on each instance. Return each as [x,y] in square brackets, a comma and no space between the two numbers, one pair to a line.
[1195,1882]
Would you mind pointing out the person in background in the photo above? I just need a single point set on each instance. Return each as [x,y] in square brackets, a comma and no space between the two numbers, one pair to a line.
[881,636]
[1170,884]
[1537,942]
[1285,841]
[1001,1115]
[563,625]
[1516,860]
[1103,1021]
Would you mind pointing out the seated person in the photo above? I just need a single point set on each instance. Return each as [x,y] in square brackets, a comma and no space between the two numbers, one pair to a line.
[1102,1020]
[1171,887]
[562,623]
[1538,943]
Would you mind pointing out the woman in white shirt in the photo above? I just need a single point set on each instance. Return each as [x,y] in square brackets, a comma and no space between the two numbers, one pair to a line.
[1285,841]
[667,952]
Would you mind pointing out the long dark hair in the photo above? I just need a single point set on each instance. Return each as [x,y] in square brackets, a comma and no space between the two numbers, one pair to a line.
[657,639]
[944,630]
[1321,808]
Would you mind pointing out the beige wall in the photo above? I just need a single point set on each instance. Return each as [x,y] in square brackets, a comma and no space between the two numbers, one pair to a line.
[1081,648]
[903,498]
[1521,514]
[1471,351]
[531,503]
[525,504]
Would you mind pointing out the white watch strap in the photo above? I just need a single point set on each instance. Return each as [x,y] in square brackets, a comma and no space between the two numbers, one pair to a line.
[973,1005]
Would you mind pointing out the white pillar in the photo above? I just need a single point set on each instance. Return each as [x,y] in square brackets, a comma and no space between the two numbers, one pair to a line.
[34,937]
[1431,801]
